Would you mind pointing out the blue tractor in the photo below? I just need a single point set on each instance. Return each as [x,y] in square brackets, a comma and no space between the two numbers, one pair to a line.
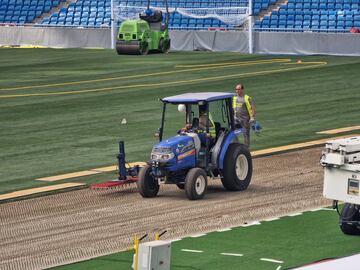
[207,146]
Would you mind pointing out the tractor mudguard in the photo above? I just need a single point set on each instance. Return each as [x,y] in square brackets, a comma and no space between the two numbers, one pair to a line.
[230,137]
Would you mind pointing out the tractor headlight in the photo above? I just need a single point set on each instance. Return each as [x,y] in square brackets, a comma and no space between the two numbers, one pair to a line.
[162,154]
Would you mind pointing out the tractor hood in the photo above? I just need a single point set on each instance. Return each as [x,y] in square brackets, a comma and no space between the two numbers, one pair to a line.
[179,146]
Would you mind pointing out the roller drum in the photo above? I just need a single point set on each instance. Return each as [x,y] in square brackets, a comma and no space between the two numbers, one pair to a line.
[130,47]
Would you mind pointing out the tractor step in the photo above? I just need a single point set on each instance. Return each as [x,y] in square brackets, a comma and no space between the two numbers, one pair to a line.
[114,183]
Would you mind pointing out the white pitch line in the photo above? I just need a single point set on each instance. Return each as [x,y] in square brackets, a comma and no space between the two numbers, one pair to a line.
[317,209]
[295,214]
[320,209]
[198,235]
[175,240]
[224,230]
[279,267]
[192,250]
[271,260]
[272,219]
[328,209]
[251,224]
[232,254]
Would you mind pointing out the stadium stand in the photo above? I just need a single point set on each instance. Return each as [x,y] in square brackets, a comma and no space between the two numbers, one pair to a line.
[313,15]
[262,5]
[82,13]
[97,13]
[294,15]
[24,11]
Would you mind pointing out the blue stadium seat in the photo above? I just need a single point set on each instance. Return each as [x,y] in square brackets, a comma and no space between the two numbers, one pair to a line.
[291,17]
[323,23]
[315,24]
[290,22]
[291,6]
[14,19]
[292,12]
[107,21]
[282,24]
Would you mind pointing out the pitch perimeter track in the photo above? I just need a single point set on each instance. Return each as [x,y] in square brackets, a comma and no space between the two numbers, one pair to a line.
[73,226]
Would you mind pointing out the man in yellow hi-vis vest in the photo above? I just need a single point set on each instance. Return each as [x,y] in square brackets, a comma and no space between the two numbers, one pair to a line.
[245,112]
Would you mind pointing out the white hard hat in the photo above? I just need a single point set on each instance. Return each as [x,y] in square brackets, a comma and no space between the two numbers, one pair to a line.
[182,108]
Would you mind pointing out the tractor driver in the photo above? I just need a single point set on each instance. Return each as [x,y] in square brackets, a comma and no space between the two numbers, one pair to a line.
[200,128]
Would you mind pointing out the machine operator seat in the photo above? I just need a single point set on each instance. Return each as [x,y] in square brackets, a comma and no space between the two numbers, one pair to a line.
[195,122]
[217,128]
[152,16]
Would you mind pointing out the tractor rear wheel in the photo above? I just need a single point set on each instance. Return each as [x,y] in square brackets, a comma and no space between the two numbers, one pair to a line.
[350,213]
[195,184]
[237,170]
[147,185]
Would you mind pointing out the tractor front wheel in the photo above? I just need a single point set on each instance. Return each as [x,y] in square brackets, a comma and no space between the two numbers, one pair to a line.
[237,168]
[195,184]
[147,185]
[348,218]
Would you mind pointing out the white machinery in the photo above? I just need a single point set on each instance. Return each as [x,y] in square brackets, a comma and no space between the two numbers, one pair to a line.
[154,255]
[341,162]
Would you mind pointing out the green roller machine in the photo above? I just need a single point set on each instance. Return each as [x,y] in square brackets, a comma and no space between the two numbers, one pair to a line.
[148,33]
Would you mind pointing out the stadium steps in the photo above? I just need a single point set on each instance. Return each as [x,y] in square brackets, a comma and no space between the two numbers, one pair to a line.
[270,9]
[53,10]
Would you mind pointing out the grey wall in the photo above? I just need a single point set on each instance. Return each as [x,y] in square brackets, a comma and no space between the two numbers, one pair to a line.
[235,41]
[55,37]
[307,43]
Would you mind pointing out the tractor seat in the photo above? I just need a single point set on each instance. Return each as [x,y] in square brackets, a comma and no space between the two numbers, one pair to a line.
[217,128]
[195,122]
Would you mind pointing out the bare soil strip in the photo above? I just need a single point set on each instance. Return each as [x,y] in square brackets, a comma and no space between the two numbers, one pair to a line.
[73,226]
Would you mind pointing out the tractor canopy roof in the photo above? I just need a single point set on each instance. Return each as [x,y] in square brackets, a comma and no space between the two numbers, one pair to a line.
[197,97]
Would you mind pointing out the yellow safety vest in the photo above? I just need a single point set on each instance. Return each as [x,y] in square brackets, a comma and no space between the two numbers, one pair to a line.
[212,130]
[247,103]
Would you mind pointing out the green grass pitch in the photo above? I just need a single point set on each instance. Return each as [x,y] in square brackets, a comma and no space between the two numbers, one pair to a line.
[61,109]
[312,236]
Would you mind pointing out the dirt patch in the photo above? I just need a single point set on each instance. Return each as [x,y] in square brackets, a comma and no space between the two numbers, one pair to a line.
[73,226]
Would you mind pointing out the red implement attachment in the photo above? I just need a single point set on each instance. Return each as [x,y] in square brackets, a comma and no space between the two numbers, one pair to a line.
[114,183]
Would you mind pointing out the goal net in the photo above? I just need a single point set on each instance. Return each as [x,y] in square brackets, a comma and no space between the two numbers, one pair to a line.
[233,13]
